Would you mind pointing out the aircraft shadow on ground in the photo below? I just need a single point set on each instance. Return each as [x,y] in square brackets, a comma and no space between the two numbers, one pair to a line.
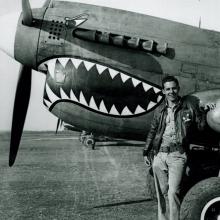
[119,143]
[123,203]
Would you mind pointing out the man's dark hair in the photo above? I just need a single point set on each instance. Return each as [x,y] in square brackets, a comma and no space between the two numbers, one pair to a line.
[169,78]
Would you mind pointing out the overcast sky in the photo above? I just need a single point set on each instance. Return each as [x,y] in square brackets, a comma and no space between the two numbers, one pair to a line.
[38,118]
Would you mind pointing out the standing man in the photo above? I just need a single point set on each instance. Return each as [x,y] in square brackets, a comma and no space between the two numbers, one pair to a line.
[173,125]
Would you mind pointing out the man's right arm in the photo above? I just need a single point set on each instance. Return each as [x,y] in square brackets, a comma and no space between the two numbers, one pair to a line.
[151,135]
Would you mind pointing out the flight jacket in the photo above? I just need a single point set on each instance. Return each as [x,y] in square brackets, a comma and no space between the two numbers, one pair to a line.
[188,117]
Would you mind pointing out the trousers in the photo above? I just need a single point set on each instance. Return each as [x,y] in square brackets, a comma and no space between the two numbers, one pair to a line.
[168,169]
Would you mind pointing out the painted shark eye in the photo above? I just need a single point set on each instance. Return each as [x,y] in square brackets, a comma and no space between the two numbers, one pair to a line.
[79,21]
[98,88]
[75,21]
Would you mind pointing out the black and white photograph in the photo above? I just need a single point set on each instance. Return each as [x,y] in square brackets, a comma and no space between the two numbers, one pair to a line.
[110,109]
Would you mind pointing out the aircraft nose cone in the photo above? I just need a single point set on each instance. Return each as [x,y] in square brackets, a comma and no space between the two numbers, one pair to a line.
[8,25]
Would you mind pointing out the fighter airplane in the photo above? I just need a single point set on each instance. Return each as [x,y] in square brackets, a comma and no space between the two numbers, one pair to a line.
[104,66]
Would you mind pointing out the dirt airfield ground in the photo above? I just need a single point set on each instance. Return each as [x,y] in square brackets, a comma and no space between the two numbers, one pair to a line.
[55,177]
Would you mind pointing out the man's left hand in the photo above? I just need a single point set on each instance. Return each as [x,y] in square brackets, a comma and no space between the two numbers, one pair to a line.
[209,106]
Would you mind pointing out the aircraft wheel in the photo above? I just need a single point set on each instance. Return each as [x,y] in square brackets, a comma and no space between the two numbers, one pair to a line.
[90,142]
[202,201]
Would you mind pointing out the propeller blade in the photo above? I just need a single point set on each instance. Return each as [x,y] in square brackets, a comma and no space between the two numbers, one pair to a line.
[58,124]
[61,123]
[27,13]
[20,110]
[48,4]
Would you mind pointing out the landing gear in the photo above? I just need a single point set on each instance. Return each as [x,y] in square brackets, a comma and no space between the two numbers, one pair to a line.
[87,139]
[90,142]
[82,136]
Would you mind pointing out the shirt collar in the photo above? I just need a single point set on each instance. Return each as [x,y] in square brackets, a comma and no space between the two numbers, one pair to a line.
[165,104]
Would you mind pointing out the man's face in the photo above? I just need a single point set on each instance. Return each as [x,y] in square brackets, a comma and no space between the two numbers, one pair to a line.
[171,91]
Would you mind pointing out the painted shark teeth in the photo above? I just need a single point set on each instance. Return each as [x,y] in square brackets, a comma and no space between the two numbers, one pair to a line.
[124,77]
[48,104]
[82,99]
[88,65]
[135,82]
[100,68]
[63,94]
[51,95]
[156,90]
[73,97]
[76,62]
[146,86]
[139,110]
[151,105]
[64,61]
[113,73]
[92,104]
[102,107]
[159,98]
[51,67]
[114,111]
[126,111]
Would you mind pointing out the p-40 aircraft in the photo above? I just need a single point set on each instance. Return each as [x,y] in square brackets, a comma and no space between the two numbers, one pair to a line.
[104,66]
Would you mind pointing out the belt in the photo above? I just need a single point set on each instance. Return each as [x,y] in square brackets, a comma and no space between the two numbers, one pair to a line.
[171,148]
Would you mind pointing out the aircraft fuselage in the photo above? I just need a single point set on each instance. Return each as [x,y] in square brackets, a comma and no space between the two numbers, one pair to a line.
[104,66]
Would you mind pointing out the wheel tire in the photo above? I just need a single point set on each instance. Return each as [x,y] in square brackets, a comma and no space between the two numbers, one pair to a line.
[89,142]
[199,198]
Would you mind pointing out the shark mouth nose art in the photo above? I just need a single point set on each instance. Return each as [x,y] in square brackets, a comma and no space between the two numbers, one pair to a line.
[98,88]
